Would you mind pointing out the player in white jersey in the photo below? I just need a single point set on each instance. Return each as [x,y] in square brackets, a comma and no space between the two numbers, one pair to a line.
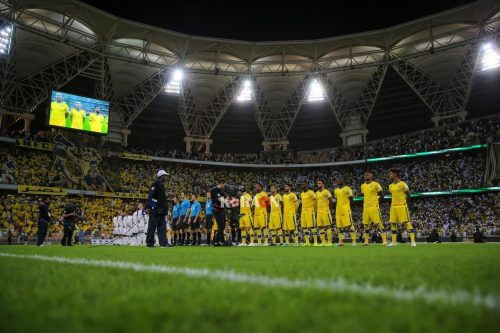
[146,222]
[131,228]
[115,228]
[133,231]
[139,222]
[121,229]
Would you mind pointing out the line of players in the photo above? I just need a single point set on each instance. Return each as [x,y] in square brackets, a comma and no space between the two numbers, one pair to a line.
[131,229]
[76,117]
[272,220]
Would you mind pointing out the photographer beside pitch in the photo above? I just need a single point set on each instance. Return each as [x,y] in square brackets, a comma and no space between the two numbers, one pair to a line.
[157,207]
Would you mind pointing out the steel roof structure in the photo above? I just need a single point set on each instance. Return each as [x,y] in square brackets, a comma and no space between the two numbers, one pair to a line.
[58,40]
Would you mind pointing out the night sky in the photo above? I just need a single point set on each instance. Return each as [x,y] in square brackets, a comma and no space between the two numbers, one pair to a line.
[272,21]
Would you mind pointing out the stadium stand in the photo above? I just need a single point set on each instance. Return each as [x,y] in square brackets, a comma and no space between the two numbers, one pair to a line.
[465,134]
[449,214]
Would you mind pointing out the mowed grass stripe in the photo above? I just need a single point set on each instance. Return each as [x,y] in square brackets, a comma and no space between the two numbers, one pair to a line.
[457,297]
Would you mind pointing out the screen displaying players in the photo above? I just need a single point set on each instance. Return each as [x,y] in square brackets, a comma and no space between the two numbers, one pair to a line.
[79,113]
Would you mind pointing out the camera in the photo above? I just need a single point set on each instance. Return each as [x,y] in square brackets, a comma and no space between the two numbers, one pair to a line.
[233,190]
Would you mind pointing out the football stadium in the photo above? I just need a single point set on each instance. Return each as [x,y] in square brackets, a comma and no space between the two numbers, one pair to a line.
[159,177]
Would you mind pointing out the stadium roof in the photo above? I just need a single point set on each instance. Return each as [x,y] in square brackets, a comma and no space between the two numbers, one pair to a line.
[52,31]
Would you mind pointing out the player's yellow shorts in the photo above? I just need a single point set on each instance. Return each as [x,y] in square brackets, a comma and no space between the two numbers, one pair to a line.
[399,214]
[246,221]
[323,219]
[275,221]
[214,226]
[259,221]
[372,215]
[308,219]
[289,222]
[343,220]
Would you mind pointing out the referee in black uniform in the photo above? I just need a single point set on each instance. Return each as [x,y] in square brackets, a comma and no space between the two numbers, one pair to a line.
[157,207]
[218,204]
[43,221]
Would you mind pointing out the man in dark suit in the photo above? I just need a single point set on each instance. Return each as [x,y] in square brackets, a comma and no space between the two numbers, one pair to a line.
[69,217]
[157,207]
[218,196]
[43,221]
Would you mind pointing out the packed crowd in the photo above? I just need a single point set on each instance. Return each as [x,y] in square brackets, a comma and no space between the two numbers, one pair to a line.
[21,134]
[431,174]
[458,214]
[19,213]
[438,173]
[463,134]
[451,136]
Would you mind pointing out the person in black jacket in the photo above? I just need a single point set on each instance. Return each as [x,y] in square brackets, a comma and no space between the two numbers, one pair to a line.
[69,216]
[43,221]
[479,236]
[218,204]
[157,207]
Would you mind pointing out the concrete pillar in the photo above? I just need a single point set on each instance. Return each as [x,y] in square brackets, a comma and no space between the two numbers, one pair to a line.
[354,132]
[27,121]
[208,145]
[269,145]
[188,140]
[192,143]
[125,133]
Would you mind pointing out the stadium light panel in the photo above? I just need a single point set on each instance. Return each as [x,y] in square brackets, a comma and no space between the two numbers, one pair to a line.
[178,75]
[5,39]
[174,86]
[246,92]
[490,57]
[316,92]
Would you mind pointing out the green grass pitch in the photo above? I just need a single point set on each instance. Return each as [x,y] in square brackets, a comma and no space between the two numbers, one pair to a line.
[46,296]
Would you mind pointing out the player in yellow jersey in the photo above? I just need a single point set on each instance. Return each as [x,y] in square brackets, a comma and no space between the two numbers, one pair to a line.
[260,203]
[77,114]
[246,219]
[372,193]
[323,213]
[96,119]
[58,111]
[307,215]
[290,206]
[276,216]
[400,194]
[343,214]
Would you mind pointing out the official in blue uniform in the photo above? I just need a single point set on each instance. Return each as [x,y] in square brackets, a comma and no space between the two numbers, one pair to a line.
[208,218]
[176,213]
[194,220]
[183,219]
[157,207]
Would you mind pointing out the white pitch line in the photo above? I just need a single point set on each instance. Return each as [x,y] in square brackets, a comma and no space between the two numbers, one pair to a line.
[451,297]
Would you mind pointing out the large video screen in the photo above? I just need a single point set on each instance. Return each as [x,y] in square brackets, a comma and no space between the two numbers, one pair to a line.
[78,113]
